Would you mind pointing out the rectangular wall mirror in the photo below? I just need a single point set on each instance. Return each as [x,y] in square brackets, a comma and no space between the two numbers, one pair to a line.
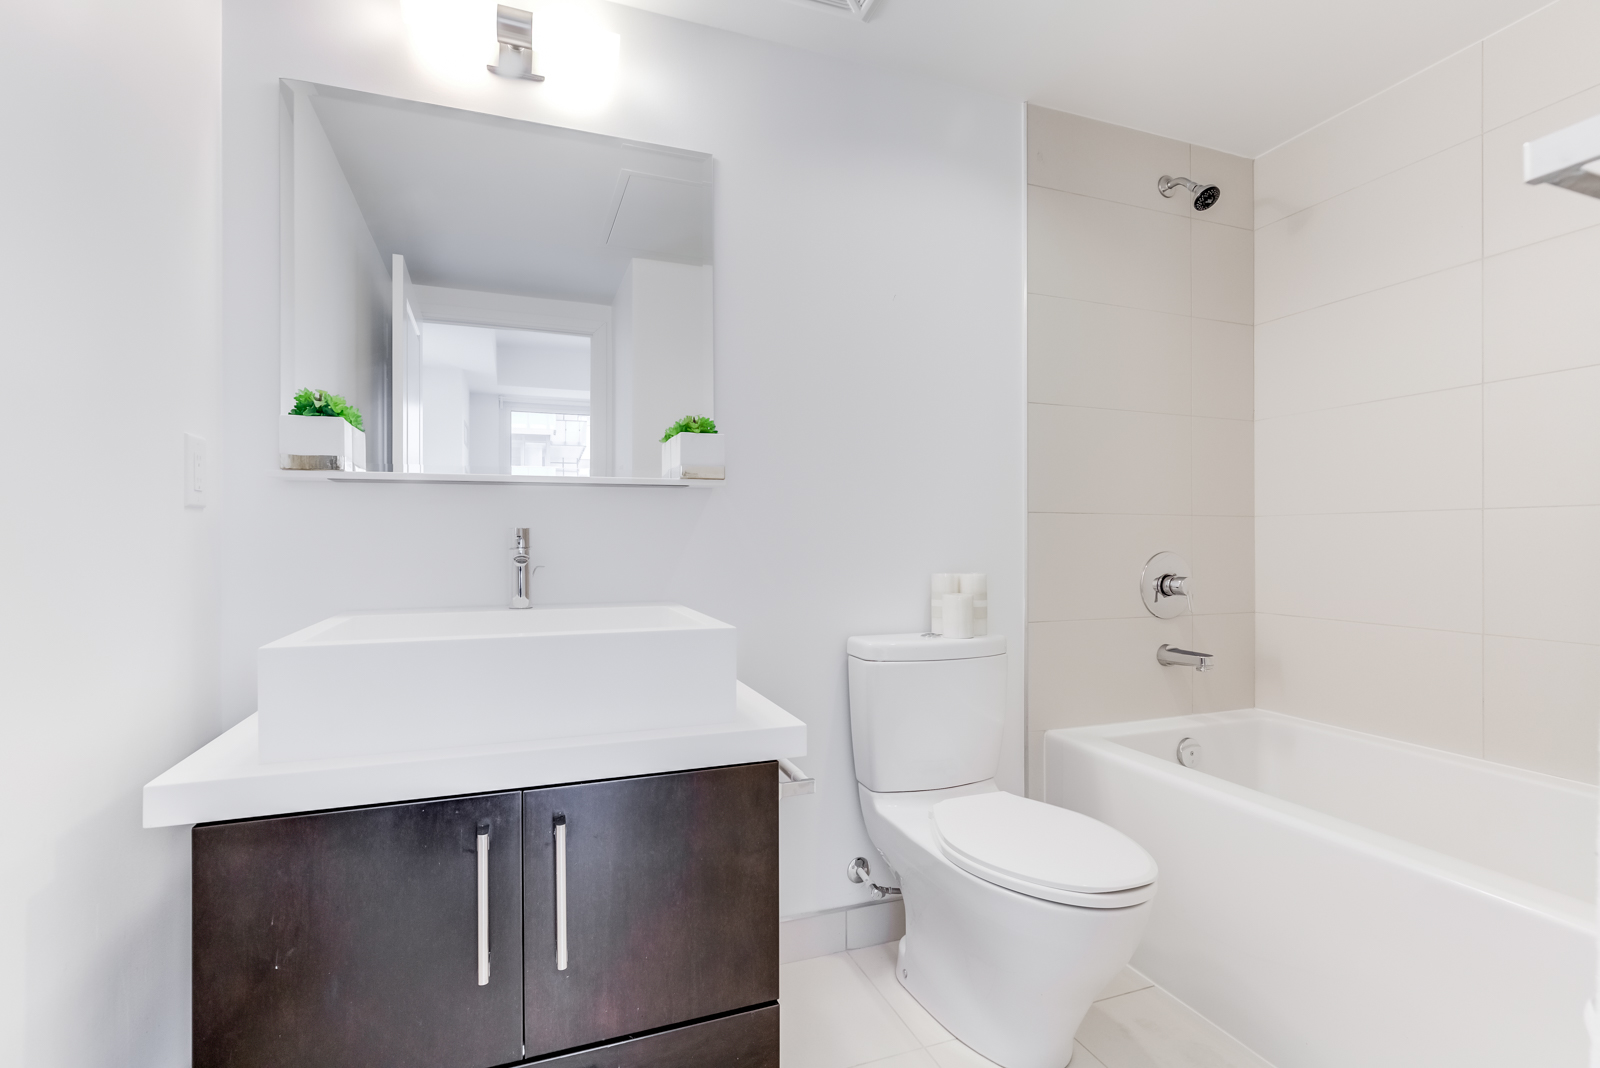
[494,296]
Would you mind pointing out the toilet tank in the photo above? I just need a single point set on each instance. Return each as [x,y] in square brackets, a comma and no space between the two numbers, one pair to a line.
[926,712]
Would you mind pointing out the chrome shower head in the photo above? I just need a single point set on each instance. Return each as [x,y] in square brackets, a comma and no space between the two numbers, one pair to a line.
[1204,195]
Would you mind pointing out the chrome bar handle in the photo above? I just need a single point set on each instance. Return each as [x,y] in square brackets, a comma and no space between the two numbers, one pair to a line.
[483,903]
[561,891]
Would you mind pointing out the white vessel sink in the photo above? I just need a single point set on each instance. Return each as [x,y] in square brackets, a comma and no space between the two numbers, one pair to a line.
[395,682]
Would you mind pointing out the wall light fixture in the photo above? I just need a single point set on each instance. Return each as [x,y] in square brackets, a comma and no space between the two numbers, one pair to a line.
[514,31]
[1569,158]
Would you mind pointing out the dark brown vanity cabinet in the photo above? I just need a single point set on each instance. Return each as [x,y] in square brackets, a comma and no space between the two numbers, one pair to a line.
[671,910]
[356,938]
[351,938]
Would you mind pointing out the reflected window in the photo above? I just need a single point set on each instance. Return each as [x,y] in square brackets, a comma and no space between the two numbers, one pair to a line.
[548,443]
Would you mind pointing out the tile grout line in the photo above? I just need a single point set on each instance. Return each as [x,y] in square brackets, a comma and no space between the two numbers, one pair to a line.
[1145,310]
[1415,278]
[1481,383]
[1484,118]
[1189,336]
[1478,633]
[1140,207]
[1385,511]
[1372,181]
[1147,411]
[1483,416]
[895,1013]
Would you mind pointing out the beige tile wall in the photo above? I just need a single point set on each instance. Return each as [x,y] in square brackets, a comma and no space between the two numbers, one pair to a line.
[1140,379]
[1427,378]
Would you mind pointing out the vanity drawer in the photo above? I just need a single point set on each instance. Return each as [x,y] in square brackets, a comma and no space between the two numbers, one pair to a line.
[744,1040]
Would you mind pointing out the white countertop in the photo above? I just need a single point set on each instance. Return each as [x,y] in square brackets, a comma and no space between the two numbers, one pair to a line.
[227,780]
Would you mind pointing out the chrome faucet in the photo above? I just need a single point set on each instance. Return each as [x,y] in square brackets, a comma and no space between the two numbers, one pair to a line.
[1172,656]
[519,557]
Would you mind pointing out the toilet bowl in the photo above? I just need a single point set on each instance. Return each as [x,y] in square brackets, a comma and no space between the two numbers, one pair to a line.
[1018,913]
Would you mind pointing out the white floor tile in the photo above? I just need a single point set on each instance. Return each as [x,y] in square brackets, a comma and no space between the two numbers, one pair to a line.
[953,1054]
[847,1011]
[833,1017]
[1082,1058]
[878,962]
[1152,1029]
[1124,982]
[917,1058]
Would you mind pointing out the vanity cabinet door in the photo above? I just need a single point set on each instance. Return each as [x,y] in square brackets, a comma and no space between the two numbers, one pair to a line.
[671,903]
[351,939]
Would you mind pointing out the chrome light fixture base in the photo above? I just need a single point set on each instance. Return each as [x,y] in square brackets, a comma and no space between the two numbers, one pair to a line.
[514,31]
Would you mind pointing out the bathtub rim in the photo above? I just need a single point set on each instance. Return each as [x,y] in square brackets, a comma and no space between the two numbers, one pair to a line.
[1519,893]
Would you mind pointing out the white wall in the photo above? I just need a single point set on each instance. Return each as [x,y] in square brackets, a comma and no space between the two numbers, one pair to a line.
[484,447]
[1427,378]
[445,414]
[663,313]
[108,287]
[1139,423]
[340,310]
[869,295]
[622,448]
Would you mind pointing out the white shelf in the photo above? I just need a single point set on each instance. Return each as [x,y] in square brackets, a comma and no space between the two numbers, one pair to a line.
[493,480]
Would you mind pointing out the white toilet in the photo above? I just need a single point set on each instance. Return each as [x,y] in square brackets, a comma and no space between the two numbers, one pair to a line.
[1017,913]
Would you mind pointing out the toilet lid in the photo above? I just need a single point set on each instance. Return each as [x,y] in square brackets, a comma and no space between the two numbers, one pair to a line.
[1039,849]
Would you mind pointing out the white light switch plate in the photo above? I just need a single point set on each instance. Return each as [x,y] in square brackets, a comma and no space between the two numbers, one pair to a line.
[195,482]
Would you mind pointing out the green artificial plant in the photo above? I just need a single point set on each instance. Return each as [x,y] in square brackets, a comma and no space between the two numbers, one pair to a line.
[321,402]
[690,424]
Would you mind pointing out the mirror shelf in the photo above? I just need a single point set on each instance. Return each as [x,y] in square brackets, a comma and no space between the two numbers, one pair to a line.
[494,480]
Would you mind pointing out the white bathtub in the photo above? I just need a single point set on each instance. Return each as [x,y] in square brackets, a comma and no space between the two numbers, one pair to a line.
[1339,900]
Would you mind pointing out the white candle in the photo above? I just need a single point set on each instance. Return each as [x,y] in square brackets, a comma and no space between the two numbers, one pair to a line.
[942,583]
[957,615]
[977,584]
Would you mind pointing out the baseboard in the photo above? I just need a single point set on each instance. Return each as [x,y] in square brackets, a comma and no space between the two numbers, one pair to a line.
[818,934]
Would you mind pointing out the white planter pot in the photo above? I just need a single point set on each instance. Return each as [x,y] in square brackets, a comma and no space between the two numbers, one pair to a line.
[692,456]
[320,443]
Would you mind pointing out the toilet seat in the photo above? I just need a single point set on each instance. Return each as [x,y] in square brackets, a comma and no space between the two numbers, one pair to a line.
[1043,851]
